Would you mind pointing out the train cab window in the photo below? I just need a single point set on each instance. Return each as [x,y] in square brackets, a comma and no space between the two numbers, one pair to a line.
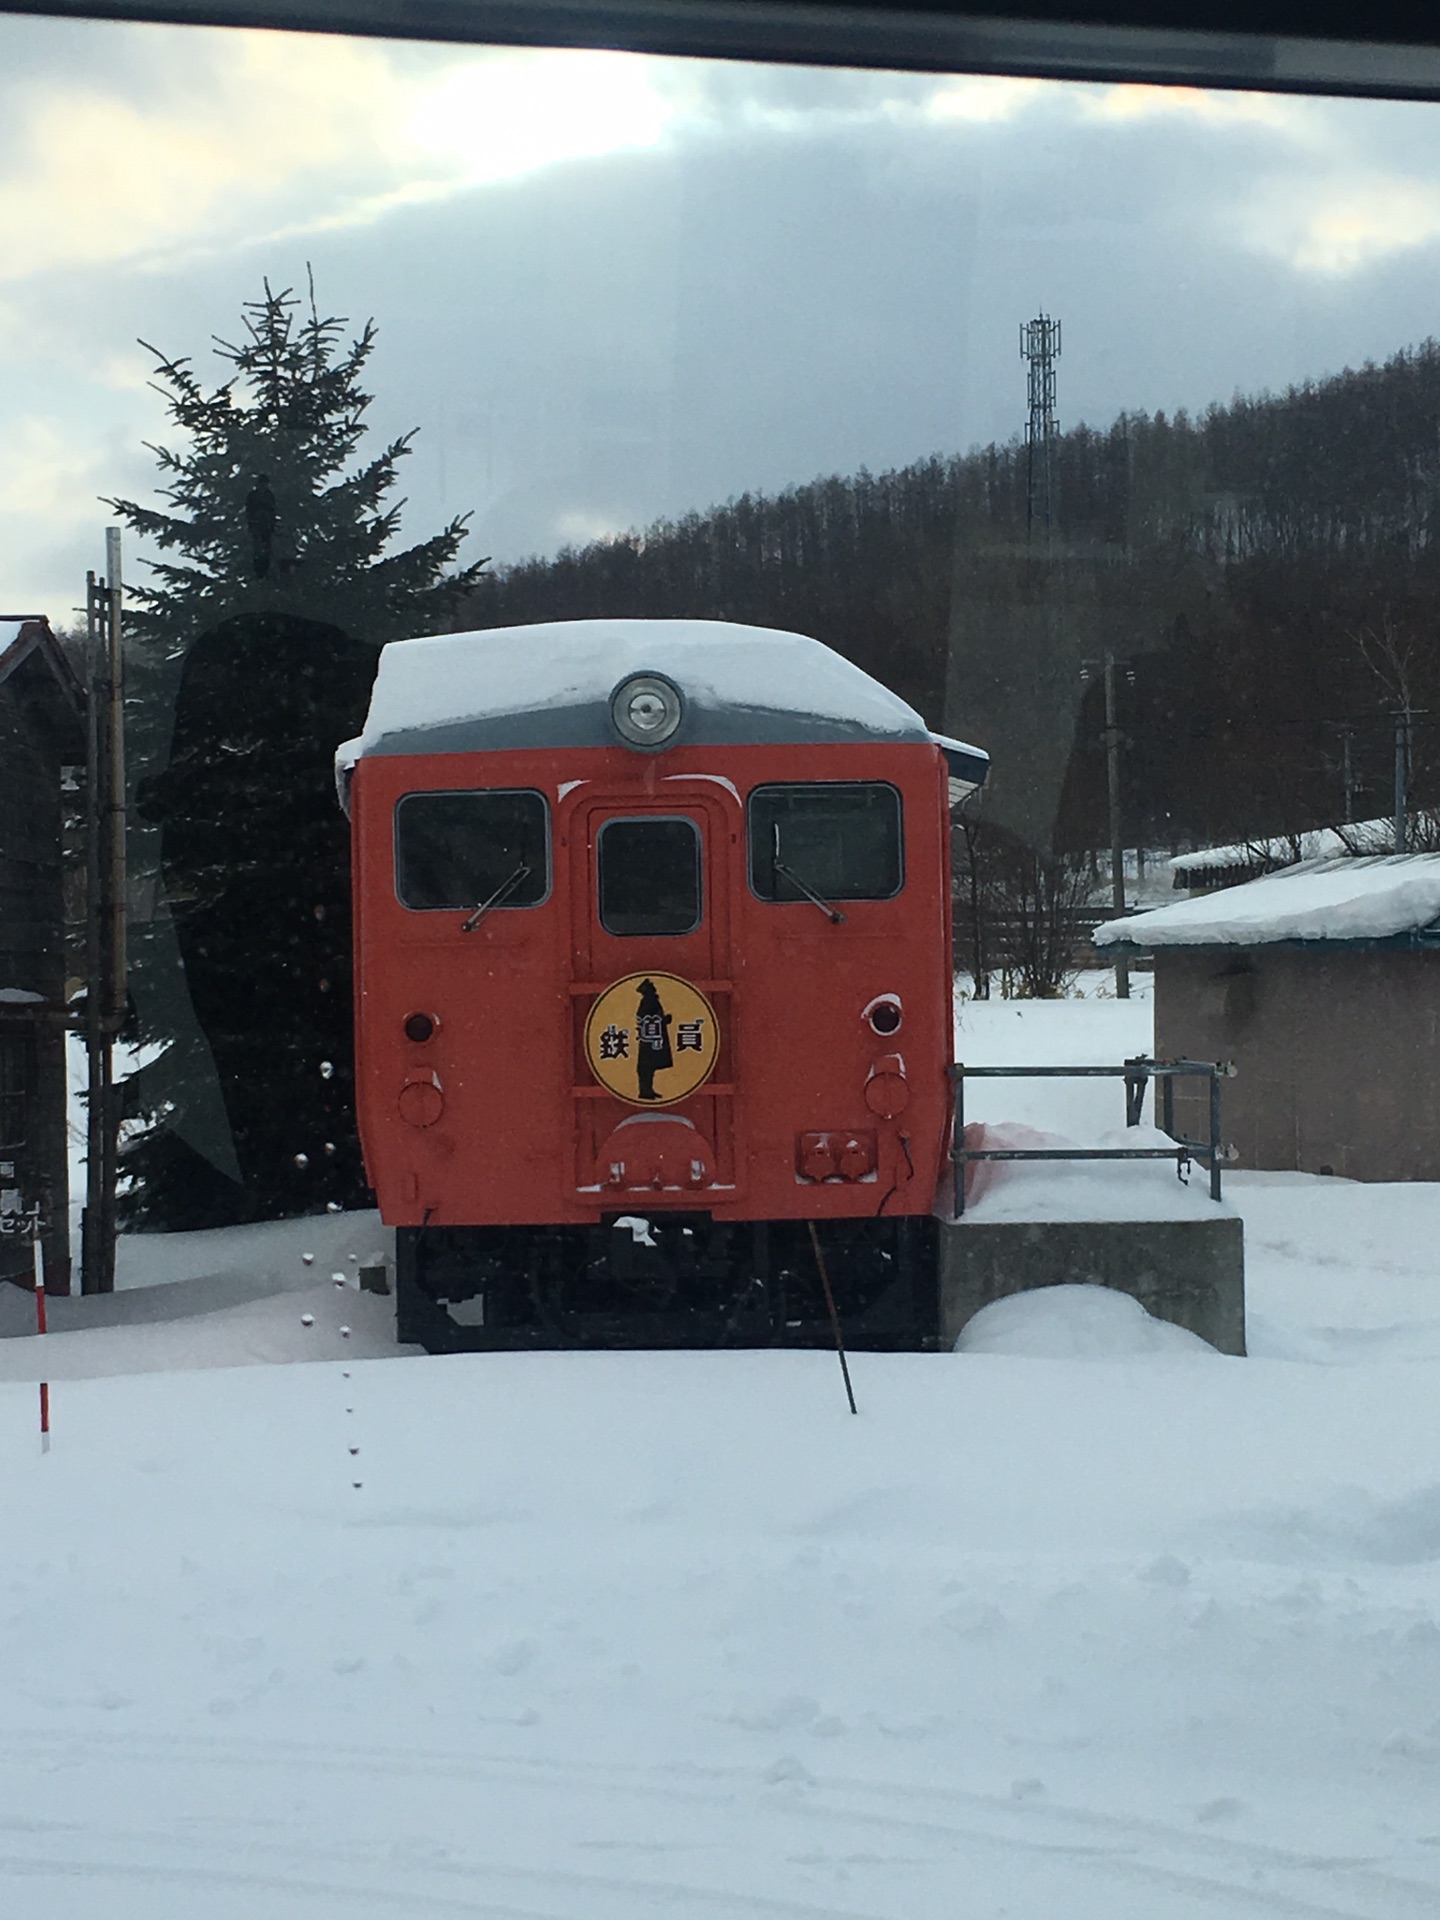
[841,840]
[470,849]
[649,875]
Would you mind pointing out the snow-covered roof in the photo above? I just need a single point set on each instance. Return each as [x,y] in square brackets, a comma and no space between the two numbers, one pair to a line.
[969,766]
[550,685]
[1361,836]
[1374,897]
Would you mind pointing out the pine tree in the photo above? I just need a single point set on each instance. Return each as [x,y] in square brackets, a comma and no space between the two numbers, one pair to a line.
[251,656]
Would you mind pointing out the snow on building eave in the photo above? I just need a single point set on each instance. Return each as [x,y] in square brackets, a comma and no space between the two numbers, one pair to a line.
[1275,851]
[1345,900]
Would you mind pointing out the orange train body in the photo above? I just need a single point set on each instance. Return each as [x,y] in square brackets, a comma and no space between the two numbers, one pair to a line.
[705,982]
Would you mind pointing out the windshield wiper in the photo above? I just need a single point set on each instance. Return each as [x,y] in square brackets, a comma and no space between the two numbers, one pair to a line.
[522,872]
[777,865]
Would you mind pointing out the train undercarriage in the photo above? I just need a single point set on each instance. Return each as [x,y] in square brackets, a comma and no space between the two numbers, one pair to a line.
[668,1280]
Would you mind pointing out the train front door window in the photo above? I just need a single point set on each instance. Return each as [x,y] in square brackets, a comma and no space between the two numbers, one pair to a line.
[648,875]
[828,841]
[472,850]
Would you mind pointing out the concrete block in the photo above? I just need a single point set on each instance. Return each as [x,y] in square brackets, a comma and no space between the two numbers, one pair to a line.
[1190,1272]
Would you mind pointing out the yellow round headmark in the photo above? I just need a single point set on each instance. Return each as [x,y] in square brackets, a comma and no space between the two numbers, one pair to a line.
[652,1039]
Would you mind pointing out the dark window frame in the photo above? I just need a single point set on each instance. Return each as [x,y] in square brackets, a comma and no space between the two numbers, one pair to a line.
[452,793]
[1268,46]
[18,1086]
[650,819]
[815,786]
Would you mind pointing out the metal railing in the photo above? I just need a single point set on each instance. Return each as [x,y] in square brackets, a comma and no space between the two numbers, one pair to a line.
[1136,1074]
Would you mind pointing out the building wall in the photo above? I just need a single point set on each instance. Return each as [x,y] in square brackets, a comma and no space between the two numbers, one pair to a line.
[1338,1054]
[32,958]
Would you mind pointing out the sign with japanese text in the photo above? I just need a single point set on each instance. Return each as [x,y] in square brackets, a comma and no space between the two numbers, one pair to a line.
[652,1039]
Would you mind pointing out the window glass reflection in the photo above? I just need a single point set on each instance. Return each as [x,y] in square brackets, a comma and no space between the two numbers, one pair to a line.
[649,876]
[841,840]
[464,849]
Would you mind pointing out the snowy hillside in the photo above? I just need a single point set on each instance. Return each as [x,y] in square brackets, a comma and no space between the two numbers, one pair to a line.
[1083,1623]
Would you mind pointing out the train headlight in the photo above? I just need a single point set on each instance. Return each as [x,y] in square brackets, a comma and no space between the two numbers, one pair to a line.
[885,1014]
[646,710]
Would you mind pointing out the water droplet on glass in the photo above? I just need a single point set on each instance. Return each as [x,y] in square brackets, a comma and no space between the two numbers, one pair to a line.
[307,1319]
[327,1068]
[302,1159]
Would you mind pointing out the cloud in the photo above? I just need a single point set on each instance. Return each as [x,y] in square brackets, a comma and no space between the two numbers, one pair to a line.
[96,176]
[611,288]
[579,528]
[1132,102]
[986,98]
[512,112]
[47,475]
[247,135]
[1338,226]
[51,519]
[1342,186]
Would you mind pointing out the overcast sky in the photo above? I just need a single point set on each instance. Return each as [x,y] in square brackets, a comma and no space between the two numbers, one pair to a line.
[611,287]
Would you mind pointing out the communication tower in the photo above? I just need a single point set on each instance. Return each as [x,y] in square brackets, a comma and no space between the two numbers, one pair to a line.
[1040,348]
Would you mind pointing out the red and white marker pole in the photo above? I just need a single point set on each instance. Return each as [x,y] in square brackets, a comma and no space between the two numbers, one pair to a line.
[40,1327]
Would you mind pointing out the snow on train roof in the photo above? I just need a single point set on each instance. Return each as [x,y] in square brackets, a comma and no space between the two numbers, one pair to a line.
[1352,897]
[452,691]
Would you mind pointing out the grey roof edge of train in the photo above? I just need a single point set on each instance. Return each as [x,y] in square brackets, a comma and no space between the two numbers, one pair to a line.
[589,725]
[728,727]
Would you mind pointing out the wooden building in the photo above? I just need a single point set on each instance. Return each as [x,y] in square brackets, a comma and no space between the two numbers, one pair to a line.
[1322,984]
[42,731]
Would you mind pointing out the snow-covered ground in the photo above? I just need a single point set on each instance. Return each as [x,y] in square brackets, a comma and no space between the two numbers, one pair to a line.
[1082,1623]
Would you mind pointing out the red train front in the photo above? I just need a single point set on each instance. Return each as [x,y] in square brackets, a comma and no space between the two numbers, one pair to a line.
[652,971]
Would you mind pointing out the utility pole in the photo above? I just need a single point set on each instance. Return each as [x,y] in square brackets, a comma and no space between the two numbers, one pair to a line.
[1039,348]
[1117,850]
[105,962]
[97,1050]
[115,837]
